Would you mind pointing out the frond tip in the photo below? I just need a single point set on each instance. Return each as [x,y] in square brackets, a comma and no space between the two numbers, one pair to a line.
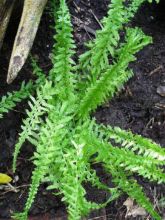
[9,101]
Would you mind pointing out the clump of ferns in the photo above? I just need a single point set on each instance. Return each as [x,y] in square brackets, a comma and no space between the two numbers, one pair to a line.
[59,124]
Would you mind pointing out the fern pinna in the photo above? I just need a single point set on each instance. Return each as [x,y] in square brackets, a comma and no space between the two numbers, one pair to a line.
[67,139]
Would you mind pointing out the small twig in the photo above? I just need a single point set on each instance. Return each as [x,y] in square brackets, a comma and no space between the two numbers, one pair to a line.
[89,30]
[150,122]
[156,70]
[78,8]
[155,196]
[96,19]
[14,189]
[128,91]
[160,105]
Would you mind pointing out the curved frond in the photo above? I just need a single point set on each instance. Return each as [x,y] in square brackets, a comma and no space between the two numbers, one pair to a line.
[9,101]
[39,107]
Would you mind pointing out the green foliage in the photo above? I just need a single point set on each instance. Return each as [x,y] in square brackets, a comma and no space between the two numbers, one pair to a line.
[9,101]
[38,107]
[61,72]
[112,79]
[66,139]
[107,39]
[135,143]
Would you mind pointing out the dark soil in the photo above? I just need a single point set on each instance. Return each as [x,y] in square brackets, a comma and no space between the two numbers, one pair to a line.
[138,107]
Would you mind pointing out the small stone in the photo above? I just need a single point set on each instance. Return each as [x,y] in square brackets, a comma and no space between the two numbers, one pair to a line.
[16,178]
[161,90]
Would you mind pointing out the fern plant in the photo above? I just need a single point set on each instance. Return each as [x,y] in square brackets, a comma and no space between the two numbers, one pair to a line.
[59,124]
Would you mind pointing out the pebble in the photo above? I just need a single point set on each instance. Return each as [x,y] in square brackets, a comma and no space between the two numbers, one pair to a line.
[161,90]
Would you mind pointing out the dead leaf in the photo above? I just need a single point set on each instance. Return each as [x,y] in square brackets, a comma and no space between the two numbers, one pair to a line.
[137,211]
[133,210]
[4,179]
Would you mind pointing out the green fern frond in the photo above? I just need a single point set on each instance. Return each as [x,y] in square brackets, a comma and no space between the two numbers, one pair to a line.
[143,166]
[54,6]
[114,164]
[49,149]
[20,216]
[129,141]
[107,40]
[39,107]
[114,77]
[62,71]
[37,176]
[135,143]
[71,185]
[38,72]
[130,162]
[9,101]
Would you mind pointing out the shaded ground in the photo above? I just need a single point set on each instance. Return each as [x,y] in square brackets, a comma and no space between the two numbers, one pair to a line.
[138,107]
